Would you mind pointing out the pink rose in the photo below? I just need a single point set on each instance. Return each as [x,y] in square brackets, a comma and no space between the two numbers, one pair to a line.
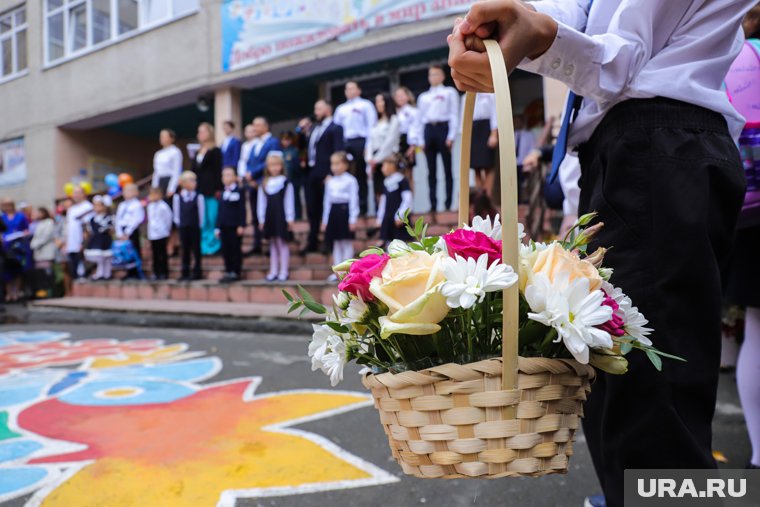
[472,244]
[361,273]
[614,326]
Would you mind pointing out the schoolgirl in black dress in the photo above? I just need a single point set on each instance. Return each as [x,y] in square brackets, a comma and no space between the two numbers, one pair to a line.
[100,230]
[394,202]
[340,210]
[276,211]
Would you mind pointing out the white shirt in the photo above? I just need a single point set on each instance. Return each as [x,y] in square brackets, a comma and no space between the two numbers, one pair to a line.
[357,117]
[245,153]
[642,48]
[167,163]
[160,219]
[271,186]
[383,140]
[342,189]
[76,217]
[485,109]
[226,142]
[391,185]
[129,216]
[188,195]
[438,104]
[407,118]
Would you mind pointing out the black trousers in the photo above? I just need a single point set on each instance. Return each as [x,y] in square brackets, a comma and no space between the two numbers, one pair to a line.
[435,144]
[253,199]
[160,258]
[74,260]
[355,148]
[315,195]
[190,241]
[232,245]
[667,181]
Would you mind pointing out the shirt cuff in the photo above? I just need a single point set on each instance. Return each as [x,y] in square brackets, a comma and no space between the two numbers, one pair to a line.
[566,58]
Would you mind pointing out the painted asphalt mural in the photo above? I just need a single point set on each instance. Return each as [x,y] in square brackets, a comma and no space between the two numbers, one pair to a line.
[140,422]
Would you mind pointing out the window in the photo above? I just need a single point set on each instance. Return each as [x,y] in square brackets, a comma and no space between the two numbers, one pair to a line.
[73,27]
[12,43]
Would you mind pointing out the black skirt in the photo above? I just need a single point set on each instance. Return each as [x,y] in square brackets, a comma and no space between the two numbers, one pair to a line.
[741,279]
[482,156]
[337,224]
[275,224]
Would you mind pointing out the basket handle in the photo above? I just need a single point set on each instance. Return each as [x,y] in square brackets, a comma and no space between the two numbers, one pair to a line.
[508,168]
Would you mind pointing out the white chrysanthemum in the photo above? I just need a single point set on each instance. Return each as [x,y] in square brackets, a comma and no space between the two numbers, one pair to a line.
[335,360]
[318,345]
[492,229]
[573,310]
[397,248]
[634,321]
[356,312]
[468,280]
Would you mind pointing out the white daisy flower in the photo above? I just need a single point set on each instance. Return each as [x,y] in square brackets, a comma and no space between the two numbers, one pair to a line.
[571,309]
[492,229]
[318,345]
[335,360]
[356,312]
[634,321]
[468,281]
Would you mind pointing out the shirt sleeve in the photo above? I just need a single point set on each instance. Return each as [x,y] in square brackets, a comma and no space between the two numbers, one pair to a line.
[406,203]
[573,13]
[201,210]
[353,202]
[155,178]
[390,142]
[338,116]
[381,207]
[493,118]
[261,204]
[176,162]
[370,115]
[412,136]
[175,208]
[601,67]
[453,114]
[419,122]
[118,222]
[326,204]
[289,203]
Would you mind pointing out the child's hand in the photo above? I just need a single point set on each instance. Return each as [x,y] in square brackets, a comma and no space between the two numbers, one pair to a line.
[290,226]
[399,223]
[378,222]
[240,230]
[352,227]
[323,227]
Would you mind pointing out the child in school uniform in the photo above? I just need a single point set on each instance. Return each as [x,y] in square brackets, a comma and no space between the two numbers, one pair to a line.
[189,210]
[341,209]
[276,211]
[99,229]
[130,215]
[395,200]
[160,219]
[230,225]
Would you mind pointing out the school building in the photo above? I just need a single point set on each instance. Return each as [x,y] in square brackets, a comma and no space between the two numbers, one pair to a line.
[86,85]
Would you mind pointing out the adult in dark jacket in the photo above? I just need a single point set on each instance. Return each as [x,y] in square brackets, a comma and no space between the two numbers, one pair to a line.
[207,164]
[257,162]
[326,138]
[230,146]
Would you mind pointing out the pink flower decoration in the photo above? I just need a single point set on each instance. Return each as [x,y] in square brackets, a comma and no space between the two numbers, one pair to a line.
[614,326]
[361,273]
[472,244]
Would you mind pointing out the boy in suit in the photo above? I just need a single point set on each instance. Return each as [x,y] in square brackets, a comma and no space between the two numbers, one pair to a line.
[189,210]
[230,146]
[326,138]
[230,225]
[257,160]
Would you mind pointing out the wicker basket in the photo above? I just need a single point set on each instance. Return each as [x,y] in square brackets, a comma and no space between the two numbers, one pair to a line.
[505,417]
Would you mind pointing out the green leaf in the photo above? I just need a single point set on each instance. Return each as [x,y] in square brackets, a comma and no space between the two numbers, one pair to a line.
[371,250]
[625,347]
[410,230]
[295,306]
[315,307]
[335,326]
[419,227]
[656,361]
[287,295]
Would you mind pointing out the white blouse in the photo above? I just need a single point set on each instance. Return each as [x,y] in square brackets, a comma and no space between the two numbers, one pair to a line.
[407,118]
[383,140]
[271,186]
[129,216]
[167,163]
[342,189]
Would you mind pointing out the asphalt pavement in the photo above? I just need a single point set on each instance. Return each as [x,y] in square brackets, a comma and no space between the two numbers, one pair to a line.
[122,416]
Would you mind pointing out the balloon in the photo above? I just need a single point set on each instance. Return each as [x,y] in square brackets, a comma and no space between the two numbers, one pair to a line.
[68,189]
[111,180]
[114,191]
[125,179]
[86,186]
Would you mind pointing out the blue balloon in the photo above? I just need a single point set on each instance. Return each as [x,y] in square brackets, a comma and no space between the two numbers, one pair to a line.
[114,191]
[111,180]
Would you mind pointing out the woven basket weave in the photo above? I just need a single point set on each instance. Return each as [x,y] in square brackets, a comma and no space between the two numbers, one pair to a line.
[504,417]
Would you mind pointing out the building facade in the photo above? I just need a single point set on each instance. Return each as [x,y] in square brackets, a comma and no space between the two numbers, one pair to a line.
[86,85]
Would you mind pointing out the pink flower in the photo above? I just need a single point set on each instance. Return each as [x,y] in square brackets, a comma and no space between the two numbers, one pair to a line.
[614,326]
[472,244]
[361,273]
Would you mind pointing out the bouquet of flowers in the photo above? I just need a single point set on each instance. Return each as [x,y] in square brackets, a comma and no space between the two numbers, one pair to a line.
[438,300]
